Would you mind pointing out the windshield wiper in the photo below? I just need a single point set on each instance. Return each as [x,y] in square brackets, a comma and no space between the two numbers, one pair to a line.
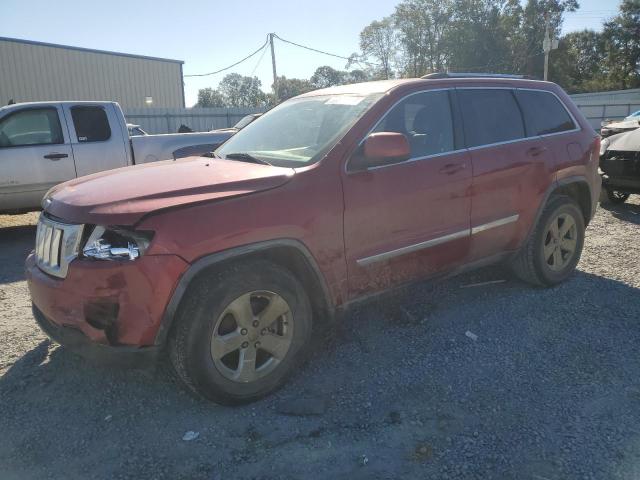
[245,157]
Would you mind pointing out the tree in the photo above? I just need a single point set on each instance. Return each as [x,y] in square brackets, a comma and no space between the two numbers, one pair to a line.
[241,91]
[579,63]
[326,76]
[291,87]
[622,45]
[379,41]
[357,76]
[208,97]
[422,26]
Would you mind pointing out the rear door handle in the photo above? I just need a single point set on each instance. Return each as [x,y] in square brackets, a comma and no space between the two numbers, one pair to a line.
[55,156]
[535,151]
[451,168]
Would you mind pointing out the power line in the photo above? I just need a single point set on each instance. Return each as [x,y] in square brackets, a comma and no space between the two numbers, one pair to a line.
[323,52]
[231,66]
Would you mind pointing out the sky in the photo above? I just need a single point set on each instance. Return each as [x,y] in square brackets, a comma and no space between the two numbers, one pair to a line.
[210,35]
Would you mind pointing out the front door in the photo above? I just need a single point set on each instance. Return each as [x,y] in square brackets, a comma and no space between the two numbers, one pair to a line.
[35,154]
[409,219]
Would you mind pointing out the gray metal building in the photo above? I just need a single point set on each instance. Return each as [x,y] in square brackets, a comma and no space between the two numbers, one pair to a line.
[37,71]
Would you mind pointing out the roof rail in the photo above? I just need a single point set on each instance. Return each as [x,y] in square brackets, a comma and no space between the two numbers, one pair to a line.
[472,75]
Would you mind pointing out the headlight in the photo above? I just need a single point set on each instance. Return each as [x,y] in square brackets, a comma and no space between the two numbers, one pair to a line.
[112,243]
[604,144]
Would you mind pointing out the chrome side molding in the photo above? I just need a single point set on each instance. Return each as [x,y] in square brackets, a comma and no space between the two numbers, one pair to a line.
[363,262]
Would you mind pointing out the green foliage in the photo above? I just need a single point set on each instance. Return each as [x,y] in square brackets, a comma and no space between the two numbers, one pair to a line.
[234,90]
[208,97]
[501,36]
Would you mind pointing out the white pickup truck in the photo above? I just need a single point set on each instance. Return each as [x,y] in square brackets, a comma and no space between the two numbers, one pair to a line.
[46,143]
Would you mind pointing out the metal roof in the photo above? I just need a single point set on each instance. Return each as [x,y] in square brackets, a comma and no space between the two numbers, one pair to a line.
[91,50]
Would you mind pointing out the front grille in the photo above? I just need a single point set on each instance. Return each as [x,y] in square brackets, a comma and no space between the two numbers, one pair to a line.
[56,245]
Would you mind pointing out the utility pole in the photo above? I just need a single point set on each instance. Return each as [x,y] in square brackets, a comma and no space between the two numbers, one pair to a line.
[273,65]
[548,44]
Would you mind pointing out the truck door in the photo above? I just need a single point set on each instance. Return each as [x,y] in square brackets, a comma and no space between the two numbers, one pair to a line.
[35,154]
[97,137]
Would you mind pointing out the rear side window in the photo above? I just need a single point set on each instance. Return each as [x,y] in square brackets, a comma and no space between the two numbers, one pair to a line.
[490,116]
[91,124]
[34,126]
[425,119]
[543,113]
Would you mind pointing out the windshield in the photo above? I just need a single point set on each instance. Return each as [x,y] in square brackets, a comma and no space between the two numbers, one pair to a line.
[299,131]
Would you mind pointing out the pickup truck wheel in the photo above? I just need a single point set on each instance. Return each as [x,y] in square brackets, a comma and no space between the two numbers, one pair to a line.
[241,332]
[553,250]
[616,197]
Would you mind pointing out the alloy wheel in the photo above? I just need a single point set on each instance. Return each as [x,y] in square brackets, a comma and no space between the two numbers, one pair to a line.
[252,336]
[560,242]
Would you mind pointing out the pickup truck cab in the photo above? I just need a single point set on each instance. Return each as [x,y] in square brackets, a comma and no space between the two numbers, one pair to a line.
[232,265]
[46,143]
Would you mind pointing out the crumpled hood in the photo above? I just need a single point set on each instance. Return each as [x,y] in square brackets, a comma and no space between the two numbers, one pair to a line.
[124,195]
[625,142]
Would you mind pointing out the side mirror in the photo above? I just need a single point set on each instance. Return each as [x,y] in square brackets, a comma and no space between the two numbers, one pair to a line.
[383,148]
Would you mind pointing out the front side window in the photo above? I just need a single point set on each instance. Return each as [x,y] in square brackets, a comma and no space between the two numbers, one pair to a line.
[425,119]
[543,113]
[299,131]
[91,124]
[490,116]
[35,126]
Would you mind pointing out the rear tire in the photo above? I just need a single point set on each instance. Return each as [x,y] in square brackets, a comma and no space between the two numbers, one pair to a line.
[553,250]
[229,324]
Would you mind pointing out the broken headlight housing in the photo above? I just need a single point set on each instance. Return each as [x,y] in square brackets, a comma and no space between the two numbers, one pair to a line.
[114,243]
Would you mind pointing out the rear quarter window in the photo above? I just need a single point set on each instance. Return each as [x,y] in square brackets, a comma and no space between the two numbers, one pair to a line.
[91,124]
[543,113]
[490,116]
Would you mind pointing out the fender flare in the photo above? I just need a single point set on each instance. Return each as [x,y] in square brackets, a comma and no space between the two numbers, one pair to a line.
[552,188]
[236,252]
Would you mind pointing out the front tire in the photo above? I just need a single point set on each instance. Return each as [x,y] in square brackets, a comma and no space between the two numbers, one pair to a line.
[240,332]
[553,250]
[616,197]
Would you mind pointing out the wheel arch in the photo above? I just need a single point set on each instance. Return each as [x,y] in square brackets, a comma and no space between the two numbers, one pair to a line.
[289,253]
[578,189]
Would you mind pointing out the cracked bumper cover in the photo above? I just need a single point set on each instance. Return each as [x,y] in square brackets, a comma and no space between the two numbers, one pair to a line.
[136,293]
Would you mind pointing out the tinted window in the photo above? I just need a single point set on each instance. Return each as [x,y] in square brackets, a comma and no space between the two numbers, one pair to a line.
[425,119]
[543,113]
[490,116]
[35,126]
[91,124]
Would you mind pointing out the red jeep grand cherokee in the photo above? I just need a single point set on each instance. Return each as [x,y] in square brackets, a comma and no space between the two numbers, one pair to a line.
[227,263]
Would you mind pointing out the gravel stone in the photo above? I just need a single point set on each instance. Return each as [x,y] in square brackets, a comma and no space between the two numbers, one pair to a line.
[550,390]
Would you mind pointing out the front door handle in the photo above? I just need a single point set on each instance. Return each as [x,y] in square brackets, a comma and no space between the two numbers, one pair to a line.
[451,168]
[55,156]
[535,151]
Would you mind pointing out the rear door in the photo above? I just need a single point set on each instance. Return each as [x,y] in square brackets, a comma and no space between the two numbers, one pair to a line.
[96,138]
[510,171]
[409,219]
[35,154]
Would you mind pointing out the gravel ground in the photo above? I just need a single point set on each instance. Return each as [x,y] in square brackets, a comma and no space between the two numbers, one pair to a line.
[546,385]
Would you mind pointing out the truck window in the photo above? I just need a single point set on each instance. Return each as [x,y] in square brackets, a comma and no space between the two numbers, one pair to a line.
[543,113]
[91,124]
[490,116]
[425,118]
[33,126]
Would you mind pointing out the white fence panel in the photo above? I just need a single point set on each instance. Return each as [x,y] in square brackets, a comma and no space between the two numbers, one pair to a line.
[169,120]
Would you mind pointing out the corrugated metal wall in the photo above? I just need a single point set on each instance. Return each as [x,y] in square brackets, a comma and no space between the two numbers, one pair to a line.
[32,71]
[614,105]
[168,120]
